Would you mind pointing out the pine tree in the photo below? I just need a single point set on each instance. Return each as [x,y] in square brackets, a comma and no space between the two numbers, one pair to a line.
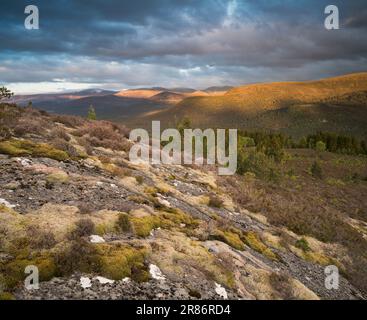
[320,146]
[5,93]
[92,113]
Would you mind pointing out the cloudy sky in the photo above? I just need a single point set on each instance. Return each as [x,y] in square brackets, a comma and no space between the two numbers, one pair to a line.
[192,43]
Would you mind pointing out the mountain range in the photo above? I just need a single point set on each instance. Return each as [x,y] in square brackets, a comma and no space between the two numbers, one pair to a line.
[297,108]
[114,105]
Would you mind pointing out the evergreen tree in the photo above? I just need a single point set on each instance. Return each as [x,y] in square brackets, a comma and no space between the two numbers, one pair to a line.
[320,146]
[5,93]
[92,113]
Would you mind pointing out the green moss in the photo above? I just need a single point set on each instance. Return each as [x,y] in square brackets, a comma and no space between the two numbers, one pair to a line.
[14,270]
[175,218]
[6,296]
[167,220]
[318,258]
[253,241]
[230,238]
[54,178]
[143,226]
[28,148]
[119,261]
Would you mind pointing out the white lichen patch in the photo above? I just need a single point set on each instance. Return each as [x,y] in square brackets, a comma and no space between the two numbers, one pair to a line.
[156,273]
[85,282]
[103,280]
[164,202]
[220,291]
[96,239]
[24,162]
[7,204]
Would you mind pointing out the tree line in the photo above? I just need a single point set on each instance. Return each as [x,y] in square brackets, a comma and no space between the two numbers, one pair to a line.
[272,143]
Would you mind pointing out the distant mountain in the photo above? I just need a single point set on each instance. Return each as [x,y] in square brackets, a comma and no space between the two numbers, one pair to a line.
[168,97]
[138,93]
[218,89]
[336,104]
[65,96]
[109,105]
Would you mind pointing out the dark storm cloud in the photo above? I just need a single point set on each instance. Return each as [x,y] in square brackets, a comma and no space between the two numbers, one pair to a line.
[176,41]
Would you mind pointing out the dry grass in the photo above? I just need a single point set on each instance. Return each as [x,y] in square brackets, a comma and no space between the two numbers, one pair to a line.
[104,134]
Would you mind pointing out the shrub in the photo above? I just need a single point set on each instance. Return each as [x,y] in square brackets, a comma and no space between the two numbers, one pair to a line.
[86,145]
[194,293]
[83,227]
[59,133]
[85,208]
[215,201]
[302,244]
[103,134]
[282,284]
[29,125]
[40,239]
[67,147]
[69,121]
[5,133]
[80,256]
[120,261]
[316,170]
[139,179]
[257,163]
[123,223]
[320,146]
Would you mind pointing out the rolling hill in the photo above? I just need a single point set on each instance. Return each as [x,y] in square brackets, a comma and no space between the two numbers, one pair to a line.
[335,104]
[110,105]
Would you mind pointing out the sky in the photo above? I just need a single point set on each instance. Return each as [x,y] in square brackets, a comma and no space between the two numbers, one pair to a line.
[176,43]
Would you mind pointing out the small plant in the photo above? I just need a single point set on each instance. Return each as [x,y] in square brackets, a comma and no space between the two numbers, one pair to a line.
[40,239]
[139,179]
[123,223]
[85,208]
[303,244]
[69,121]
[83,228]
[215,202]
[92,113]
[78,256]
[320,146]
[316,170]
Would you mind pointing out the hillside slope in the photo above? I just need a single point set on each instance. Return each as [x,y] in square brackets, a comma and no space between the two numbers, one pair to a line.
[242,107]
[100,227]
